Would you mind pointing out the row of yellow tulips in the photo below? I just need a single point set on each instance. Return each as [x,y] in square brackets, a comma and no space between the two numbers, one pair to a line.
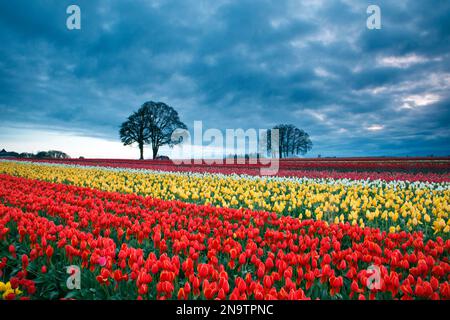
[390,207]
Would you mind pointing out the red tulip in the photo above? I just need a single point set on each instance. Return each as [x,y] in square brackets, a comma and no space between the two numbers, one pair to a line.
[242,258]
[143,289]
[25,261]
[354,286]
[181,294]
[12,250]
[203,270]
[187,288]
[49,251]
[10,296]
[14,283]
[221,295]
[268,282]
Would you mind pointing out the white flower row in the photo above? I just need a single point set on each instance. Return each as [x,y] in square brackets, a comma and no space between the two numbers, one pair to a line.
[397,184]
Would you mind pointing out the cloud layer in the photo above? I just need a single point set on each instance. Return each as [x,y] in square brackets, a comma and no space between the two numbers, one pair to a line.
[234,64]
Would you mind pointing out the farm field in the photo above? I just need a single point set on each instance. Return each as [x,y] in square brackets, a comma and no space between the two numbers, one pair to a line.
[406,169]
[355,228]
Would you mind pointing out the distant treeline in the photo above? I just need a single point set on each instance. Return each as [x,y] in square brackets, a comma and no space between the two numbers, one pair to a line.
[51,154]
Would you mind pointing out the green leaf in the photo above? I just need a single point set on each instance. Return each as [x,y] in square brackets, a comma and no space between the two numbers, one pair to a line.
[53,295]
[72,294]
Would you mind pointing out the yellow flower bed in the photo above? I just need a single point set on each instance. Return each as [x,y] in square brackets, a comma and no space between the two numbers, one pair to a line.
[385,206]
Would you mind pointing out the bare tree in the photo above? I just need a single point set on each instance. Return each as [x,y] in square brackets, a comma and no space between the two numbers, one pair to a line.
[135,130]
[291,140]
[52,154]
[153,124]
[55,154]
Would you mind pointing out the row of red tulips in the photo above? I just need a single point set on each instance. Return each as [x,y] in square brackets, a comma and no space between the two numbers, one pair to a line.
[133,247]
[383,164]
[287,161]
[388,171]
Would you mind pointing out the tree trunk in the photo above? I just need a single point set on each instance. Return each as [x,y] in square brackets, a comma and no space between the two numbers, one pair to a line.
[141,150]
[155,152]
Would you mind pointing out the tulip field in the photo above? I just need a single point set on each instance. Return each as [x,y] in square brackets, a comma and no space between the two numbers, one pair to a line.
[320,229]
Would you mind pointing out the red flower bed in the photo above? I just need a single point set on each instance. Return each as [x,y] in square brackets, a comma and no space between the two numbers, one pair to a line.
[388,169]
[134,247]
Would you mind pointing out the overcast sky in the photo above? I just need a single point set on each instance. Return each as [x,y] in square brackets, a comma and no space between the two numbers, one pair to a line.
[232,64]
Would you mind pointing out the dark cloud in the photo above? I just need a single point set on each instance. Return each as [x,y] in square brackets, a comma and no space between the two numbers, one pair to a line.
[235,64]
